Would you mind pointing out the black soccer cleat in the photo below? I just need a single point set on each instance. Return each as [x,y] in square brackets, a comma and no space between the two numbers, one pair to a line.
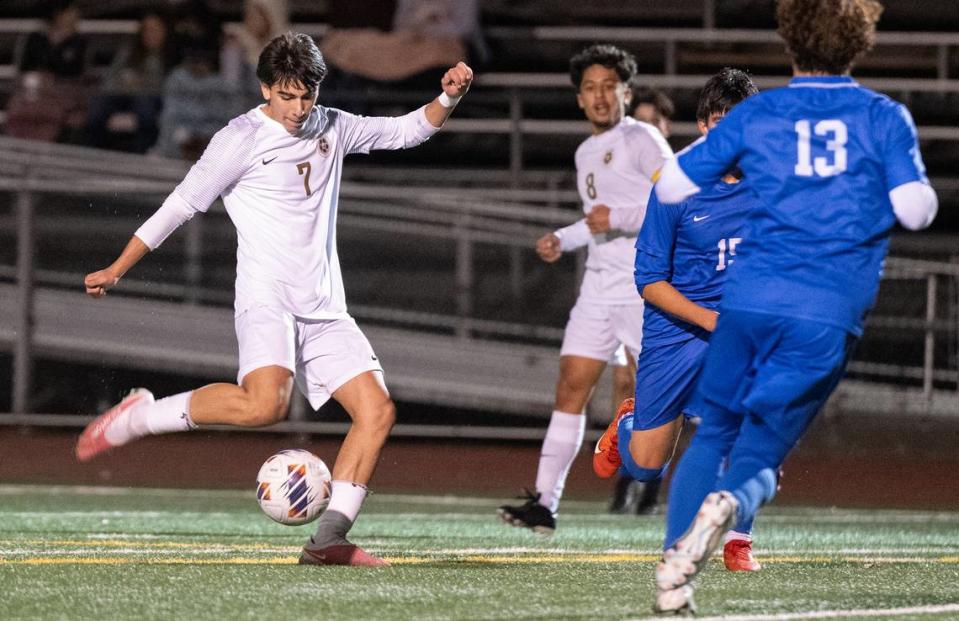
[625,495]
[530,514]
[648,501]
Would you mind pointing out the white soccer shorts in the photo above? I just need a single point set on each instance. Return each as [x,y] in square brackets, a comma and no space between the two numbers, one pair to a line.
[600,331]
[322,354]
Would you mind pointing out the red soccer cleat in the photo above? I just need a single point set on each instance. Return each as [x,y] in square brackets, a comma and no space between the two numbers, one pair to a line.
[738,556]
[93,440]
[606,460]
[340,554]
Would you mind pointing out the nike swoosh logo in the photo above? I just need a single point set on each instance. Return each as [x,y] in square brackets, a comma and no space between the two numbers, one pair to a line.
[265,161]
[699,218]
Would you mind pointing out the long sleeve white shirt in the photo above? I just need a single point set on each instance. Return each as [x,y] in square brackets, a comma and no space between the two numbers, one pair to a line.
[281,191]
[614,168]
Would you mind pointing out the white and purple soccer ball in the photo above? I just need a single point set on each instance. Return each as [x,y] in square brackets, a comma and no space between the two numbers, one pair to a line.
[293,487]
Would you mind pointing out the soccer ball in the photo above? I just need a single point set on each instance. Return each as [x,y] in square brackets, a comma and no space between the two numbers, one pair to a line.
[293,487]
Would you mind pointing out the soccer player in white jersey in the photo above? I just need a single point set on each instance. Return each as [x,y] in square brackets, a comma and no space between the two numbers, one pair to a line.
[614,167]
[278,170]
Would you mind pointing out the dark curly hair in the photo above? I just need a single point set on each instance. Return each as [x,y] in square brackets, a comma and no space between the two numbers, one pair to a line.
[723,91]
[643,94]
[289,59]
[608,56]
[827,35]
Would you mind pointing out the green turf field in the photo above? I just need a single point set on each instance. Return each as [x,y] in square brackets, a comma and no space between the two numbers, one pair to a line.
[105,553]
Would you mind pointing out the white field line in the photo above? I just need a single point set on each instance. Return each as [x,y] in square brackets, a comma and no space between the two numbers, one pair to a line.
[96,490]
[138,552]
[117,514]
[114,540]
[909,612]
[823,516]
[412,516]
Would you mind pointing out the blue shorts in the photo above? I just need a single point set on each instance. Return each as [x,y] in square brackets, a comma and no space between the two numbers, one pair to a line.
[665,378]
[778,369]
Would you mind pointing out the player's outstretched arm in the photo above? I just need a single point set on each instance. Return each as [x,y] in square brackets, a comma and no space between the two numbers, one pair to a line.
[665,296]
[98,282]
[456,81]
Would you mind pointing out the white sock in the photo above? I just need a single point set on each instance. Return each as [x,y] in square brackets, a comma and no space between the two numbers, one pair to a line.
[564,437]
[733,535]
[153,417]
[347,497]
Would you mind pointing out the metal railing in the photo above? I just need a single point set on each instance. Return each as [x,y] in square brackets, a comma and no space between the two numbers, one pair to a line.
[513,88]
[938,325]
[465,216]
[672,38]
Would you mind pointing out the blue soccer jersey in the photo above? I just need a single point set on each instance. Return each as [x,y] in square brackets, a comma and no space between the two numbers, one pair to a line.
[690,245]
[822,155]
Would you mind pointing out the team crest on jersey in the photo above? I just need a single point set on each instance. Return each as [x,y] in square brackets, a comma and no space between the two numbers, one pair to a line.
[324,146]
[608,157]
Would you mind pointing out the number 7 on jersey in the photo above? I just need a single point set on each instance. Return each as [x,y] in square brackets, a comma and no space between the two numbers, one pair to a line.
[307,168]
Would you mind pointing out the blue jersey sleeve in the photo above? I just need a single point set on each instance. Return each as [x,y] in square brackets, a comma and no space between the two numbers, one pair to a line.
[901,156]
[706,160]
[655,244]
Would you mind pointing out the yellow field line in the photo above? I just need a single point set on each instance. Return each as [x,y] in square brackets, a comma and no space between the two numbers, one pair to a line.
[119,543]
[560,558]
[407,560]
[105,560]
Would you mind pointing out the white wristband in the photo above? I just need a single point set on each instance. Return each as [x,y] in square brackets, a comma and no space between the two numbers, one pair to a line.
[448,102]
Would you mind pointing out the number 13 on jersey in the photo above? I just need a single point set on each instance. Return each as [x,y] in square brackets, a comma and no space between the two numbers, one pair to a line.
[836,135]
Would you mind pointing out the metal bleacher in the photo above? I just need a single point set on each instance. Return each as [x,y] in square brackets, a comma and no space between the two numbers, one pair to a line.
[453,358]
[476,324]
[430,358]
[196,340]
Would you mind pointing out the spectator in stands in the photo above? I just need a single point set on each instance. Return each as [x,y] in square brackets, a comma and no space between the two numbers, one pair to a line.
[59,50]
[652,106]
[51,66]
[262,21]
[425,35]
[197,102]
[194,22]
[131,97]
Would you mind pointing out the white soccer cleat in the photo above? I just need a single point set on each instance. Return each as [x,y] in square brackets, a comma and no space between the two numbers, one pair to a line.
[93,440]
[677,601]
[689,555]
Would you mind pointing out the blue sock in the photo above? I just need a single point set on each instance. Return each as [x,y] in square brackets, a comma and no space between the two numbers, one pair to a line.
[624,432]
[699,469]
[743,526]
[754,463]
[753,494]
[690,486]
